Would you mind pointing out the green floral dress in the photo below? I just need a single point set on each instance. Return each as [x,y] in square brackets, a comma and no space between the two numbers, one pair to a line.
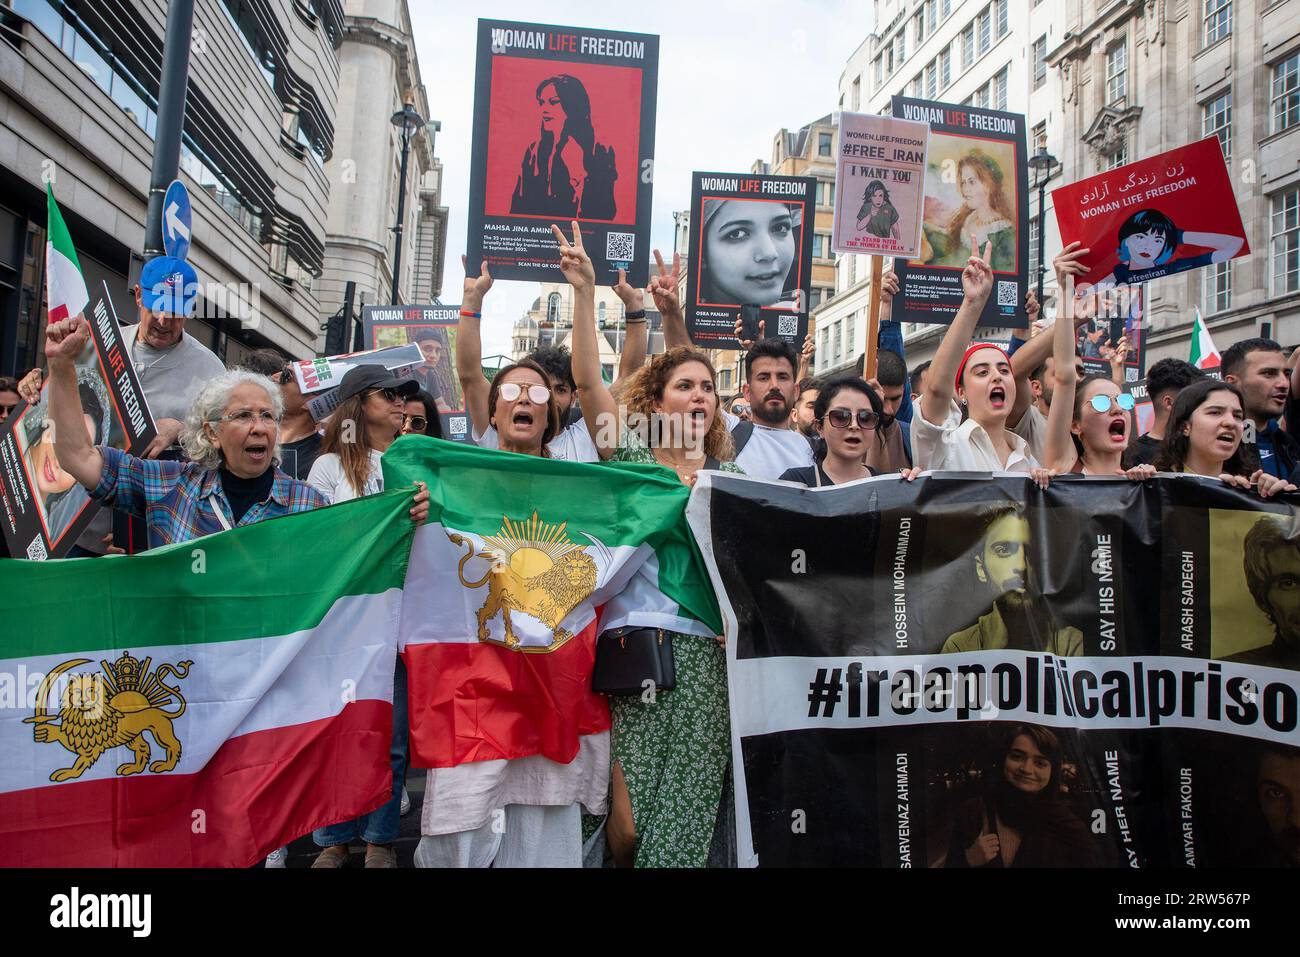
[674,751]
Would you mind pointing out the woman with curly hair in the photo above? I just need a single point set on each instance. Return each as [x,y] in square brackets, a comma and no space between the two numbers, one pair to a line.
[668,758]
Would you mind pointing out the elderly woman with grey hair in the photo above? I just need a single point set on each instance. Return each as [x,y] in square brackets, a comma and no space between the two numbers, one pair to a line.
[230,434]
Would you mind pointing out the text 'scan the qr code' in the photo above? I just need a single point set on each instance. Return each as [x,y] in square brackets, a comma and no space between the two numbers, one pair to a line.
[788,327]
[1008,293]
[620,247]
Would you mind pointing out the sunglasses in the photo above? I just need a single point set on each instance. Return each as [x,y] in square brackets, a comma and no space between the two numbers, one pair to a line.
[391,395]
[417,422]
[537,394]
[1102,403]
[843,418]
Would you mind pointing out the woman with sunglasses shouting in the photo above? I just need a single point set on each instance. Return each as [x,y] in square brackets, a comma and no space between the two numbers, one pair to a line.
[1090,420]
[847,415]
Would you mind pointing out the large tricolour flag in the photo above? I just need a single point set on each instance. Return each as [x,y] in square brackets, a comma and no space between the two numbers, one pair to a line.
[507,582]
[204,703]
[64,286]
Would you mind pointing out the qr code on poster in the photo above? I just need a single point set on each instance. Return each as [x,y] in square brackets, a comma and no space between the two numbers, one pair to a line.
[620,247]
[36,550]
[458,425]
[1007,293]
[788,327]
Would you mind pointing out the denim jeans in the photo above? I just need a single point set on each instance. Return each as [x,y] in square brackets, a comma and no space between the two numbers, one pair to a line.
[379,827]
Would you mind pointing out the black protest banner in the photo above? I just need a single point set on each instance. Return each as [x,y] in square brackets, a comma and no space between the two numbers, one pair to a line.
[564,129]
[968,672]
[433,328]
[751,253]
[43,509]
[975,182]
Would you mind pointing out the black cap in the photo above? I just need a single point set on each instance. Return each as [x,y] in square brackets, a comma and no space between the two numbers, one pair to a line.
[361,378]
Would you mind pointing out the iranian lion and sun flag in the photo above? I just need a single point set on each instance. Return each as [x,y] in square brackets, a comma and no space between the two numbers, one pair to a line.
[204,703]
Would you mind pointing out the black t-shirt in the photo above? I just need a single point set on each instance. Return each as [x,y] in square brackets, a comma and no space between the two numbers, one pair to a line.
[243,494]
[1142,451]
[296,458]
[809,474]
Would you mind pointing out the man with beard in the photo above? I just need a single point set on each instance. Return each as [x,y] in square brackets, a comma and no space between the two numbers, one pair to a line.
[767,446]
[1272,565]
[1019,618]
[1258,368]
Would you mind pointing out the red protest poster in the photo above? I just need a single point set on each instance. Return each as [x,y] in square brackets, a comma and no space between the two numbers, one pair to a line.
[1159,216]
[528,97]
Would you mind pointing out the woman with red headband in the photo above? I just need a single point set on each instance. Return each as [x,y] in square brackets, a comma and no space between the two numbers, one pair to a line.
[981,378]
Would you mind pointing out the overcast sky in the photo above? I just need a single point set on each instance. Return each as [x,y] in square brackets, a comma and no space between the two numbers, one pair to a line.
[731,73]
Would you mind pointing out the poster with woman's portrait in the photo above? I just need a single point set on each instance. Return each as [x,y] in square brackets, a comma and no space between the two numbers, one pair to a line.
[563,130]
[433,328]
[44,508]
[750,257]
[1159,216]
[976,191]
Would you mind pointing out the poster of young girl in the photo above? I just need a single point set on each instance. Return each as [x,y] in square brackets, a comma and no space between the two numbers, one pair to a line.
[1157,217]
[750,256]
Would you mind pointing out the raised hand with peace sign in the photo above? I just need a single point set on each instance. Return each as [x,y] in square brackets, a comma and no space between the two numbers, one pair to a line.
[574,261]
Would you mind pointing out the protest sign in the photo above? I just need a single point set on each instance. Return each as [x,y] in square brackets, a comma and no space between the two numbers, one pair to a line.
[1144,413]
[564,126]
[879,185]
[1119,316]
[432,328]
[1108,675]
[1157,217]
[975,182]
[317,375]
[43,509]
[750,254]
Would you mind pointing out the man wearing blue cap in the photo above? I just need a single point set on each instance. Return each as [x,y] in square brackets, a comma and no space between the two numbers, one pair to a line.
[172,366]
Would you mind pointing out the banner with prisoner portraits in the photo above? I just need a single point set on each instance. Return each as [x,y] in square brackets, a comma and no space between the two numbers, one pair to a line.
[1110,679]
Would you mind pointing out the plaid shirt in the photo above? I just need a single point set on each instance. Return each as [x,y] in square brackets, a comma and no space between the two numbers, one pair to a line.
[177,500]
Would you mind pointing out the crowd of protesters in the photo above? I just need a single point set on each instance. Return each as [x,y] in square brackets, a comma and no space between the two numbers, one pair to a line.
[239,446]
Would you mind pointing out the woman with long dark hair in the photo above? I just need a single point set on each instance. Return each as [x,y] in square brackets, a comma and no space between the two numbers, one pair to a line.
[358,432]
[565,173]
[1022,819]
[1204,434]
[878,215]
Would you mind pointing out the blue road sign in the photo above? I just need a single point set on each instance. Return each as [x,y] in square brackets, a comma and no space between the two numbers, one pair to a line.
[177,218]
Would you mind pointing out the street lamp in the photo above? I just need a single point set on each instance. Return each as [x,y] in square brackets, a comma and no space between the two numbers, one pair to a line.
[1045,167]
[409,122]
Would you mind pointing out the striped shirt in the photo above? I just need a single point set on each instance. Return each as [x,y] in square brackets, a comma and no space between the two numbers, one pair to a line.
[178,500]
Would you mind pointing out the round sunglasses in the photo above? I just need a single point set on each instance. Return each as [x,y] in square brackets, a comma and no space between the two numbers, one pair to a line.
[843,418]
[537,394]
[418,422]
[1103,403]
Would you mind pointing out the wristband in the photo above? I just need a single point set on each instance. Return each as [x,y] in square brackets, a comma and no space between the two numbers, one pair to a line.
[638,316]
[471,315]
